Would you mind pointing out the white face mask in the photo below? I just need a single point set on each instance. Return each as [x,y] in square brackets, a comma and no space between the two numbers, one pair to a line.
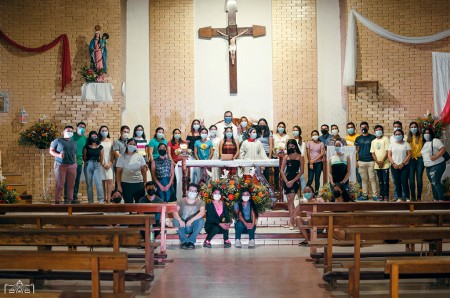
[244,124]
[204,135]
[192,195]
[216,197]
[213,133]
[427,136]
[125,135]
[132,148]
[245,198]
[334,132]
[315,138]
[68,134]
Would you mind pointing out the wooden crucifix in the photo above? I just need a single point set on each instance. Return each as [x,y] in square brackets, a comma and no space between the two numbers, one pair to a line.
[231,33]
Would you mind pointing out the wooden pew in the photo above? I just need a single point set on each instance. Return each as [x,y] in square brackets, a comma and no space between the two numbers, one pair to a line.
[92,261]
[414,265]
[70,209]
[338,220]
[386,234]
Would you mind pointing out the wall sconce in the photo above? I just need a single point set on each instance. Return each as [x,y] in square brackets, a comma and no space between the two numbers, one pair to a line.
[23,116]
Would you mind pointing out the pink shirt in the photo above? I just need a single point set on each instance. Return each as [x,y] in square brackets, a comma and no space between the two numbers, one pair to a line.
[314,149]
[219,209]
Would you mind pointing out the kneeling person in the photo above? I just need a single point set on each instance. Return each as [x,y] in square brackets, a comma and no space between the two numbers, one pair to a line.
[217,219]
[247,216]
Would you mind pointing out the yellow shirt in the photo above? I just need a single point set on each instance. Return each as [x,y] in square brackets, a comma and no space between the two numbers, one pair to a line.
[351,139]
[416,147]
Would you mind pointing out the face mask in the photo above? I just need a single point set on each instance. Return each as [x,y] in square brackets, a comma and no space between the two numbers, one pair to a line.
[124,135]
[204,135]
[334,132]
[291,151]
[427,136]
[324,131]
[131,148]
[196,126]
[139,133]
[338,149]
[227,120]
[160,135]
[295,133]
[162,152]
[396,128]
[378,133]
[315,138]
[104,134]
[364,130]
[81,130]
[245,198]
[350,131]
[151,192]
[413,130]
[213,133]
[192,195]
[280,129]
[177,136]
[68,134]
[94,139]
[253,135]
[216,197]
[308,195]
[117,200]
[398,138]
[336,193]
[244,124]
[229,134]
[262,127]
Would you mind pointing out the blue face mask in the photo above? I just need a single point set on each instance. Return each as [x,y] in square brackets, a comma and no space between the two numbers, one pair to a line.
[139,133]
[413,130]
[227,120]
[295,133]
[229,134]
[398,138]
[81,130]
[378,133]
[350,131]
[307,195]
[160,135]
[338,149]
[196,126]
[280,129]
[104,134]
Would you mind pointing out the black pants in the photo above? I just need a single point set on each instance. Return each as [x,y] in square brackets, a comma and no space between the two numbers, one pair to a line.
[383,182]
[401,177]
[214,229]
[315,173]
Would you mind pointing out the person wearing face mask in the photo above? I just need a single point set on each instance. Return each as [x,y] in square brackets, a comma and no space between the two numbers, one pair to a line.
[379,149]
[92,155]
[173,145]
[324,130]
[116,197]
[216,145]
[141,141]
[64,150]
[308,197]
[79,138]
[189,217]
[203,150]
[227,122]
[396,126]
[107,161]
[162,169]
[335,137]
[192,137]
[351,139]
[365,163]
[243,127]
[131,173]
[229,149]
[292,168]
[433,152]
[297,136]
[339,167]
[119,145]
[152,146]
[247,218]
[340,194]
[265,136]
[399,154]
[416,165]
[151,198]
[315,150]
[252,149]
[217,219]
[280,139]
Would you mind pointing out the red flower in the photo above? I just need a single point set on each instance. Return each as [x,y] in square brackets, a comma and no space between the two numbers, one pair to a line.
[231,196]
[89,71]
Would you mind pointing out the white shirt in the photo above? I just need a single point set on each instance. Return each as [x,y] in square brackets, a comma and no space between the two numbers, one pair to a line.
[399,151]
[427,152]
[221,128]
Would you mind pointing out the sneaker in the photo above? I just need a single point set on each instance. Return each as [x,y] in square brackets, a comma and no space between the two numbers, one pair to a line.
[75,202]
[362,198]
[251,243]
[238,243]
[227,244]
[190,245]
[207,244]
[184,245]
[375,198]
[291,227]
[399,201]
[408,200]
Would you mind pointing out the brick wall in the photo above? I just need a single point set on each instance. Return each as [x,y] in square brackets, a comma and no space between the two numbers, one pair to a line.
[295,64]
[172,103]
[404,71]
[33,80]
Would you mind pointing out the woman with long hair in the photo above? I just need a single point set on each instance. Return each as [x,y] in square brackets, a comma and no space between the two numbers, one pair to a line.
[229,149]
[416,165]
[247,218]
[107,161]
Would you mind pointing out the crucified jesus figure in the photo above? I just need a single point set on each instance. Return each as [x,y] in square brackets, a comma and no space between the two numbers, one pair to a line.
[232,41]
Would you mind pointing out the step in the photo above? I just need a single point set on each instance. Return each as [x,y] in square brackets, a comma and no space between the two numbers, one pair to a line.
[10,178]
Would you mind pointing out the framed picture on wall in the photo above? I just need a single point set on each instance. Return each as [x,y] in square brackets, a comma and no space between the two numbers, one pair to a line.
[4,102]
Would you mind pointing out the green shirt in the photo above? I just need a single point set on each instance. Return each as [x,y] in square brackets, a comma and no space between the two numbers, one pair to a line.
[81,142]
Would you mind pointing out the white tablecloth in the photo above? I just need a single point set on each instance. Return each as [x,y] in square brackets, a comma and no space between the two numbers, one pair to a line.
[97,92]
[233,163]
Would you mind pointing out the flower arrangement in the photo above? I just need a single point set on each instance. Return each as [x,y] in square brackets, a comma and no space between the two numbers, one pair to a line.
[280,148]
[231,189]
[183,150]
[91,74]
[326,192]
[355,190]
[39,135]
[432,122]
[7,194]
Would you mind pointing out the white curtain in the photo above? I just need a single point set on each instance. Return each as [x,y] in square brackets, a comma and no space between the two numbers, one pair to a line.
[441,80]
[350,54]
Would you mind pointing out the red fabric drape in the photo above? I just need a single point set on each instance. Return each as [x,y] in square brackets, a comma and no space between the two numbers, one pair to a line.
[66,68]
[445,114]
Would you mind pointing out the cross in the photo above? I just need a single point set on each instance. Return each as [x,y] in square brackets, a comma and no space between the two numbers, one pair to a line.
[231,33]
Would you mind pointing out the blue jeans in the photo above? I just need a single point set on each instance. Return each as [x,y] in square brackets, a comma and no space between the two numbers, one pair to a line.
[434,174]
[314,174]
[93,174]
[383,182]
[165,195]
[76,186]
[241,229]
[192,231]
[416,169]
